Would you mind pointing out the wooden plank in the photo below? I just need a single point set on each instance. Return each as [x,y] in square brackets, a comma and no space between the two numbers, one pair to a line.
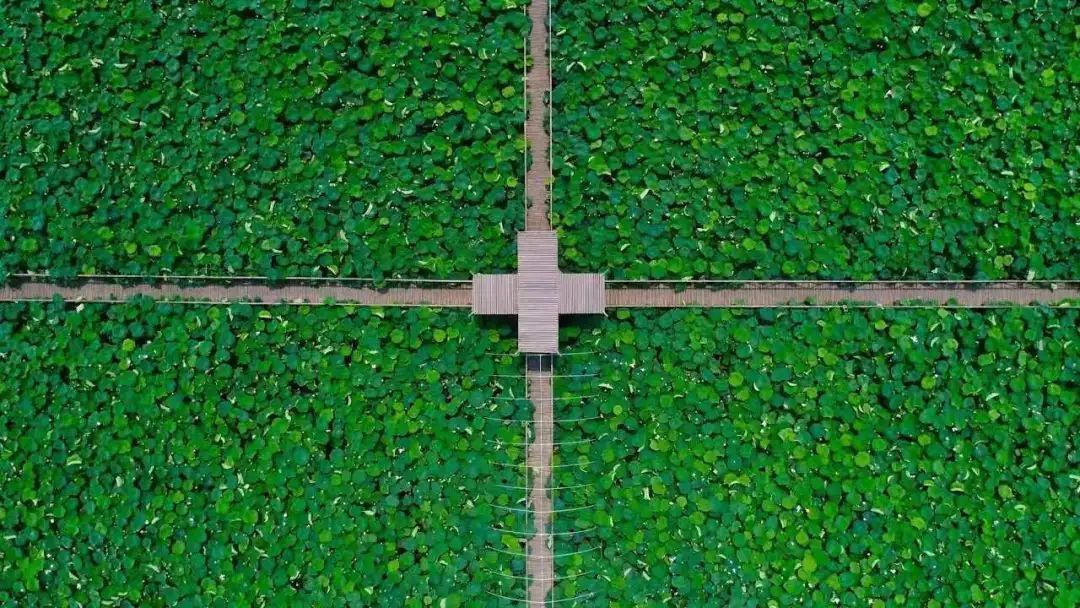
[538,292]
[495,294]
[538,313]
[538,251]
[581,294]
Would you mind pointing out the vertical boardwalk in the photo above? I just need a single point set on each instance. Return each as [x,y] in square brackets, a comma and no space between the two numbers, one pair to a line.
[540,567]
[537,89]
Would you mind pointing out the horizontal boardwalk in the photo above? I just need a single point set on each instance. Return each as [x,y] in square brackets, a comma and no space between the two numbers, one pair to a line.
[830,294]
[254,293]
[800,294]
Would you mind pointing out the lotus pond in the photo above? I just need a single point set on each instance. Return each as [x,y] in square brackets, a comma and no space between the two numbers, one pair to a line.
[359,139]
[155,455]
[165,455]
[810,458]
[836,140]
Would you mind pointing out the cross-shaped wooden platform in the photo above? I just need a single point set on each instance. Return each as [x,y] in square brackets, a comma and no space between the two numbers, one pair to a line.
[538,293]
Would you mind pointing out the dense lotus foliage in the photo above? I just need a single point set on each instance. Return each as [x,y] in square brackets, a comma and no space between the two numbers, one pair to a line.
[160,455]
[786,138]
[813,458]
[308,138]
[157,455]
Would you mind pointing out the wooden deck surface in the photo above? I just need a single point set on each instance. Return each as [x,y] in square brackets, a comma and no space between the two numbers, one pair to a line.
[538,292]
[495,294]
[537,91]
[112,292]
[810,294]
[540,566]
[749,295]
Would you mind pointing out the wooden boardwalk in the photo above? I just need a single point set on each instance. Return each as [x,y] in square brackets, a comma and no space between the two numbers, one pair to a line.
[828,294]
[538,304]
[111,292]
[538,293]
[540,566]
[766,294]
[538,177]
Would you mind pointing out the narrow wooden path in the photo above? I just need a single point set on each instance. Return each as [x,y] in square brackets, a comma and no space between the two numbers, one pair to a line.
[261,293]
[536,270]
[540,567]
[830,294]
[538,94]
[631,294]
